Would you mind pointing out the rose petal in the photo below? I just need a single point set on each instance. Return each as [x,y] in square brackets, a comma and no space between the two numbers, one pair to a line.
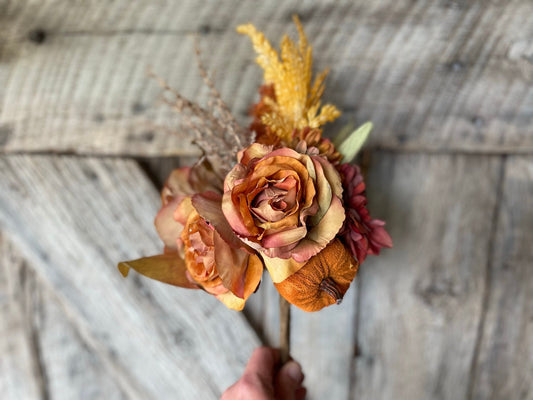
[280,269]
[265,212]
[167,227]
[183,210]
[254,273]
[323,193]
[240,271]
[233,215]
[216,290]
[231,265]
[238,172]
[209,206]
[284,238]
[281,225]
[177,184]
[167,268]
[332,176]
[319,236]
[231,301]
[255,150]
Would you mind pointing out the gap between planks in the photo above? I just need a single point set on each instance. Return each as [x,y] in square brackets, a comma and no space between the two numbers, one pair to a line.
[418,150]
[488,278]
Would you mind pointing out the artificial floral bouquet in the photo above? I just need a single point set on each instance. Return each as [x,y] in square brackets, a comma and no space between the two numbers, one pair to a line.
[277,194]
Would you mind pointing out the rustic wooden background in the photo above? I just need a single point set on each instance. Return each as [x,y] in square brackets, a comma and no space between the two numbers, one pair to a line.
[446,314]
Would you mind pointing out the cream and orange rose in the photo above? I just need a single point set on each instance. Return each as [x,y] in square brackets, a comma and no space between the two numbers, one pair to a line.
[201,250]
[228,272]
[284,203]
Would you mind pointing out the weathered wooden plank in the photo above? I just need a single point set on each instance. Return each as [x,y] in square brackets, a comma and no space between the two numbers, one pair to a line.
[504,367]
[20,375]
[324,343]
[431,75]
[73,370]
[74,219]
[420,303]
[262,312]
[63,366]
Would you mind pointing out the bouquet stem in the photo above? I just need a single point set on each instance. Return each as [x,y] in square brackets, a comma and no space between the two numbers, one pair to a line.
[284,329]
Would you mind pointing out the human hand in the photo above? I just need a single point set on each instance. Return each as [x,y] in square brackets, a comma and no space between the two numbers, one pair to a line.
[265,379]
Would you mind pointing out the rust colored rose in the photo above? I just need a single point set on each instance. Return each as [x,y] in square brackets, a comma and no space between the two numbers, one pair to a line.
[283,203]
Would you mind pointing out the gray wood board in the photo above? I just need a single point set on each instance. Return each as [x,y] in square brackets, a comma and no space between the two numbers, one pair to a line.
[431,75]
[44,358]
[20,375]
[504,368]
[420,304]
[74,219]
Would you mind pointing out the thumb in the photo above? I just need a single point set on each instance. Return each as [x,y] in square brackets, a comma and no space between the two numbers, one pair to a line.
[289,380]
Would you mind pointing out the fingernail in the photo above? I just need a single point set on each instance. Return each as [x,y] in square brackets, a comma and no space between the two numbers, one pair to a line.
[294,371]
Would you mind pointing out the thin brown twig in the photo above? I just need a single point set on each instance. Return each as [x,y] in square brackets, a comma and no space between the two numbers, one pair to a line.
[284,329]
[216,130]
[219,104]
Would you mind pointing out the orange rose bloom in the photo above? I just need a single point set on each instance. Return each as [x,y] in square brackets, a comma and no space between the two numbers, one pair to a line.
[283,203]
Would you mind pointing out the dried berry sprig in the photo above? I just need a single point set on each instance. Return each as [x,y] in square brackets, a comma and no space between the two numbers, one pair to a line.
[243,137]
[216,132]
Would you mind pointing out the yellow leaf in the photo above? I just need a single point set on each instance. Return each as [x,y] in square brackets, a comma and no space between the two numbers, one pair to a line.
[167,268]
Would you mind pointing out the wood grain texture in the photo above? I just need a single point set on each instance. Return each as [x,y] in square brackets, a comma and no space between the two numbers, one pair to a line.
[432,76]
[324,342]
[74,219]
[446,314]
[504,367]
[72,369]
[21,377]
[262,312]
[420,304]
[63,366]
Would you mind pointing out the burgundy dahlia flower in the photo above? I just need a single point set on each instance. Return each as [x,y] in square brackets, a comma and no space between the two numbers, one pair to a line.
[362,234]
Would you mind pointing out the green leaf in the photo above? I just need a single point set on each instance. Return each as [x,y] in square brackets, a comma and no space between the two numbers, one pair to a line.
[351,145]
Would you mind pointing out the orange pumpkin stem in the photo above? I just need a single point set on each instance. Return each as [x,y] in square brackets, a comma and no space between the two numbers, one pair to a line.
[329,286]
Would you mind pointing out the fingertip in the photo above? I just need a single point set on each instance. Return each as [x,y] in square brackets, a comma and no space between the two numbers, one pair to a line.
[293,371]
[263,355]
[262,363]
[289,380]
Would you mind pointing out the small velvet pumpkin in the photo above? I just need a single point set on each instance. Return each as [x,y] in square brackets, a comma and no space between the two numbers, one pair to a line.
[322,281]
